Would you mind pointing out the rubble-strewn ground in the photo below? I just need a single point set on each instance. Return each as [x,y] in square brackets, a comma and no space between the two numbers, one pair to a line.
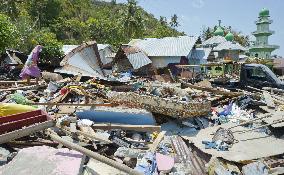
[183,125]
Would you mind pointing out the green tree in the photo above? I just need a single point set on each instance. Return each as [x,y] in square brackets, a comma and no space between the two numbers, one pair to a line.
[8,33]
[238,36]
[163,20]
[174,21]
[44,11]
[134,22]
[51,52]
[10,8]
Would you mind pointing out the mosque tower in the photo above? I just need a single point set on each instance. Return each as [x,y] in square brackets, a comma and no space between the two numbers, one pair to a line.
[261,48]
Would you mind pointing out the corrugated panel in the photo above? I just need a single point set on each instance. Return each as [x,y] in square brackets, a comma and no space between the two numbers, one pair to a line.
[102,46]
[228,45]
[200,53]
[214,40]
[169,46]
[82,60]
[68,48]
[138,60]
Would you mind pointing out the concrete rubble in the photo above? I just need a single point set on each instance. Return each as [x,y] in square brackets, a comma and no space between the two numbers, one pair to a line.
[83,121]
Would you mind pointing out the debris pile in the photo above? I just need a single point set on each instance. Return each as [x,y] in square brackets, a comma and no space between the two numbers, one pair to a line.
[125,124]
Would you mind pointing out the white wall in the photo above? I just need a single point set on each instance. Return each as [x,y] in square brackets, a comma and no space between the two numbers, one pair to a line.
[160,62]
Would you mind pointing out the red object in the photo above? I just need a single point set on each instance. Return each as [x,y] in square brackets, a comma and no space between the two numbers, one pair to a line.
[63,91]
[18,121]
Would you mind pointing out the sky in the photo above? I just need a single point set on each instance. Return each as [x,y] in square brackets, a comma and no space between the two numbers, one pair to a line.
[194,15]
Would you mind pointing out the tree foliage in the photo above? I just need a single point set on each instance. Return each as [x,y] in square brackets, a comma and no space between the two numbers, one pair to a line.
[53,22]
[238,36]
[8,33]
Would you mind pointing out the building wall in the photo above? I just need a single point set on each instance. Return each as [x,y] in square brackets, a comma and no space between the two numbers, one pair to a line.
[161,62]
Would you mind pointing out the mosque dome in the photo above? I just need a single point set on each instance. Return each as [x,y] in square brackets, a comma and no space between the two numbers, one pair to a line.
[219,31]
[229,37]
[264,12]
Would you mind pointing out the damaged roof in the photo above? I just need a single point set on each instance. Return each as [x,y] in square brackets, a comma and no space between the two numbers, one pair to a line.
[228,45]
[136,57]
[68,48]
[84,59]
[214,41]
[200,53]
[169,46]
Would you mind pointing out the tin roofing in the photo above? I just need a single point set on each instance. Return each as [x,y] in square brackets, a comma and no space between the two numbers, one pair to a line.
[68,48]
[228,45]
[169,46]
[215,40]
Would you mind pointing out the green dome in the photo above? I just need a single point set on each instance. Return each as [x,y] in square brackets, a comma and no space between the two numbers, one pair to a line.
[219,31]
[229,37]
[264,12]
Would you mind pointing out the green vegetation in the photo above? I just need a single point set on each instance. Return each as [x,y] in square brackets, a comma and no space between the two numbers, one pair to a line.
[24,24]
[8,33]
[238,36]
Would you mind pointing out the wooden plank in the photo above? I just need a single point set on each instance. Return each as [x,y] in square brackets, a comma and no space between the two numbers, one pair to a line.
[18,82]
[24,88]
[157,141]
[213,90]
[145,128]
[93,155]
[25,131]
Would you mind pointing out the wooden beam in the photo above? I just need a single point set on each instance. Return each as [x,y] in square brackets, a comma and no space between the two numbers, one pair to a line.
[144,128]
[25,131]
[18,82]
[24,88]
[157,141]
[213,90]
[93,155]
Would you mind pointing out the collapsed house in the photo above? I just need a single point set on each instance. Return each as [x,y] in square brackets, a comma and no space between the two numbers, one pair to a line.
[83,60]
[130,58]
[164,51]
[13,57]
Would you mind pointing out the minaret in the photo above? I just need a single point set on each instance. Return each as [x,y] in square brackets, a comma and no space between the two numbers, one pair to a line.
[261,48]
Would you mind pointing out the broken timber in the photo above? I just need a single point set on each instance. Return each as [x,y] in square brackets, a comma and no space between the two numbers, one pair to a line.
[92,154]
[213,90]
[145,128]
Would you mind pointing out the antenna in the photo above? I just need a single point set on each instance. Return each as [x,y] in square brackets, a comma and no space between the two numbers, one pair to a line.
[219,21]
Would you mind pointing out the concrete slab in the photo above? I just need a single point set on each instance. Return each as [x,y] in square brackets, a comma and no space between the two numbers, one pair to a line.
[249,145]
[98,168]
[45,160]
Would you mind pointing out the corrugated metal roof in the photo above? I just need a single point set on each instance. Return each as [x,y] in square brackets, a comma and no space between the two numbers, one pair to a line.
[200,53]
[169,46]
[84,60]
[228,45]
[214,40]
[138,60]
[68,48]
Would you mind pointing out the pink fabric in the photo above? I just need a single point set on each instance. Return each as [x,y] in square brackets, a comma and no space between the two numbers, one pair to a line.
[30,68]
